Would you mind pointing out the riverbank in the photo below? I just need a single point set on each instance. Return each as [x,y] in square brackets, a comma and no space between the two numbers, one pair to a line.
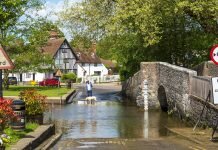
[35,138]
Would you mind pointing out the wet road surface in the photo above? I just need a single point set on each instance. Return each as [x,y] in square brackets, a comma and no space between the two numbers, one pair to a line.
[110,125]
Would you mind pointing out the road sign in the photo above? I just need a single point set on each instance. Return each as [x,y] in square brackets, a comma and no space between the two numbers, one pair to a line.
[58,73]
[214,54]
[5,61]
[215,89]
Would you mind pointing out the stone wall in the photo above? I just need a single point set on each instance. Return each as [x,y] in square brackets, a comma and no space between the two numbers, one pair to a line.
[160,84]
[207,68]
[210,113]
[151,76]
[176,82]
[131,87]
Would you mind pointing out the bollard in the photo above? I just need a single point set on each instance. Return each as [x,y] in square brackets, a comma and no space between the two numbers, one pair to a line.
[18,107]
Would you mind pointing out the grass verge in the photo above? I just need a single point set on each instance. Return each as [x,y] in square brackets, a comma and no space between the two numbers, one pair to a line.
[17,135]
[48,91]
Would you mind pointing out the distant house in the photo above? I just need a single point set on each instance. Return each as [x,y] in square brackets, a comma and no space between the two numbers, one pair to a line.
[64,56]
[89,64]
[83,64]
[64,59]
[110,65]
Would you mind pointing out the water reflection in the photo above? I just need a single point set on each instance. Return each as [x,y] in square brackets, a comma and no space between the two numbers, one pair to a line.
[108,119]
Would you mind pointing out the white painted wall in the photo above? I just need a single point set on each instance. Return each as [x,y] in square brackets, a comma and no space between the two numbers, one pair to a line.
[90,69]
[29,76]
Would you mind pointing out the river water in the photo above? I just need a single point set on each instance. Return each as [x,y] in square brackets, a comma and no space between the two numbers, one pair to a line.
[109,117]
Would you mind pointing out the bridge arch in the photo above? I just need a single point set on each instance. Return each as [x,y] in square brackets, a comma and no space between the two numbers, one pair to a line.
[162,97]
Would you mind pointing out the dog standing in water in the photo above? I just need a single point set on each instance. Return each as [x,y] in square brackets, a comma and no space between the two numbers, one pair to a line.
[91,99]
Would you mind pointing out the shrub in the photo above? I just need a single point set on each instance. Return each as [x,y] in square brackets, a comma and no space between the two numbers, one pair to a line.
[6,113]
[68,77]
[33,83]
[35,102]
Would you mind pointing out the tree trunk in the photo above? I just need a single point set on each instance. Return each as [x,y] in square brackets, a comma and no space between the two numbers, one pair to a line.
[5,80]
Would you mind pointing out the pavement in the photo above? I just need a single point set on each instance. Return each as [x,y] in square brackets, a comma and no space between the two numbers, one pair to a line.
[188,140]
[201,137]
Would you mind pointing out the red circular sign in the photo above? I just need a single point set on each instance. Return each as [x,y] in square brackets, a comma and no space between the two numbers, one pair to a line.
[214,54]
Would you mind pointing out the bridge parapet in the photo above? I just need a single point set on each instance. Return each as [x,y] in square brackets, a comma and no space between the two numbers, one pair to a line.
[172,88]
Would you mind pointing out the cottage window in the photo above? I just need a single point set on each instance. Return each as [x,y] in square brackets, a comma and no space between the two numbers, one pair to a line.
[28,75]
[97,73]
[83,64]
[95,65]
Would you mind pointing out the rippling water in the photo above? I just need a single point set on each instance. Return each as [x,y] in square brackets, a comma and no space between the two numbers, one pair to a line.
[108,118]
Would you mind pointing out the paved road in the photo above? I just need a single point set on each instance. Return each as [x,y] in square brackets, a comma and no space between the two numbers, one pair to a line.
[108,125]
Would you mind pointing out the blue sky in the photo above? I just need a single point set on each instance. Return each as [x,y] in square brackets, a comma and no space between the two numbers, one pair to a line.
[54,6]
[55,1]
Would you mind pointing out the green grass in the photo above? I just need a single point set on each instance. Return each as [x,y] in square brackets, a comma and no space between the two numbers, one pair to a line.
[48,91]
[17,135]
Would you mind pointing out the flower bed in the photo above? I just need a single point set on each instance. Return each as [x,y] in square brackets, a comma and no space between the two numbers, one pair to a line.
[6,113]
[6,116]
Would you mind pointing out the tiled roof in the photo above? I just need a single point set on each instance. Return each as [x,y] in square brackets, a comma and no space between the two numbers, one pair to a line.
[87,57]
[52,46]
[108,63]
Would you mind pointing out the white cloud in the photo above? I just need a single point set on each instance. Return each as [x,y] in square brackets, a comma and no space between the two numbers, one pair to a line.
[51,9]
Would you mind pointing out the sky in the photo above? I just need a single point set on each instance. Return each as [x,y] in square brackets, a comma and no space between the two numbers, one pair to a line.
[51,8]
[54,6]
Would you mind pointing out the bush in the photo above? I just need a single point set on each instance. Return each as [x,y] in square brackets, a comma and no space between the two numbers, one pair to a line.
[68,77]
[35,102]
[6,113]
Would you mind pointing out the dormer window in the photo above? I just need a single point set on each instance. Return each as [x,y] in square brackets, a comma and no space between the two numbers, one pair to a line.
[93,55]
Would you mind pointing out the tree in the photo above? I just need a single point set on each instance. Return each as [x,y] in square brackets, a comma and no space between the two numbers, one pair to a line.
[10,13]
[81,42]
[26,52]
[175,31]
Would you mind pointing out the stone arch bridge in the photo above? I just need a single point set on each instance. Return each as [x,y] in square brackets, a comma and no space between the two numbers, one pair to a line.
[174,89]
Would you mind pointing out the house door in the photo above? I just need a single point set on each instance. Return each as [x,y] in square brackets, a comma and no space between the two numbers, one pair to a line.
[21,77]
[34,76]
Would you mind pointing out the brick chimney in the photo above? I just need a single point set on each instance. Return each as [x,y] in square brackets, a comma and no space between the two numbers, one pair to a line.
[53,34]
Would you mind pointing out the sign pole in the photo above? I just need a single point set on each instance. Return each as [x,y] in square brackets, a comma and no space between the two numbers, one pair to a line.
[1,90]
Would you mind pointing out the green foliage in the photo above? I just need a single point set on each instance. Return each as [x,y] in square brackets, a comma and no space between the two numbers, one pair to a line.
[34,102]
[12,10]
[179,32]
[68,76]
[17,135]
[81,42]
[25,52]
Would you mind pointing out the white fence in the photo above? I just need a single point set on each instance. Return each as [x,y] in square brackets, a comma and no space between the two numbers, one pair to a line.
[100,79]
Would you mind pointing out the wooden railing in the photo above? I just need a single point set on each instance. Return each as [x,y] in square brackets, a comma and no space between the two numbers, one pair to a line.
[200,86]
